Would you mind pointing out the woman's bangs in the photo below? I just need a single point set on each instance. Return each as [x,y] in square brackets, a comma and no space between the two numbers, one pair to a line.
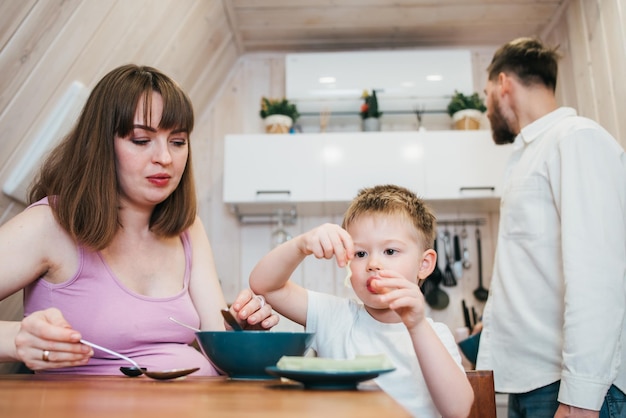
[177,110]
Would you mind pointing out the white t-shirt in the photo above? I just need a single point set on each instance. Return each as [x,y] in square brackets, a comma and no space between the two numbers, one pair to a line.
[344,329]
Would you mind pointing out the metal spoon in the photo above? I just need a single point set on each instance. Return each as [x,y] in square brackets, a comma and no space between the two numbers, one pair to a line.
[184,325]
[228,317]
[137,370]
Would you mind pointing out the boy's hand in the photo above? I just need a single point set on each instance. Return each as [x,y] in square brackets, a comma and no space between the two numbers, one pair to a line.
[326,241]
[402,296]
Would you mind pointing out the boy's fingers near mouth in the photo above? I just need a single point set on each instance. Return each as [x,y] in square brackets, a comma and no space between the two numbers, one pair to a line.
[375,285]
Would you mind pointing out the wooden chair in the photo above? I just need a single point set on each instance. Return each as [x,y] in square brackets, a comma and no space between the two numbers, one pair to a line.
[484,394]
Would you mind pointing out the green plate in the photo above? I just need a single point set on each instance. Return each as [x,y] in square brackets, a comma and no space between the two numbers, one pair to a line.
[341,380]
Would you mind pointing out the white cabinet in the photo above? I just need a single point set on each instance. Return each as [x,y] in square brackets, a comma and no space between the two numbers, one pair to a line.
[463,164]
[273,168]
[320,168]
[367,159]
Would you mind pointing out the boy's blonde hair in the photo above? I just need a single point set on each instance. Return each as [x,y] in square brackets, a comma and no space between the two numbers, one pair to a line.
[390,199]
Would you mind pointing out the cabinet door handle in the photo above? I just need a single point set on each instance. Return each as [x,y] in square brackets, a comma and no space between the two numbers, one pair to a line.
[490,188]
[262,192]
[273,195]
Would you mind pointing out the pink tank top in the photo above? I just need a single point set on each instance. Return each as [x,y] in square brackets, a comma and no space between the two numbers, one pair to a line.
[107,313]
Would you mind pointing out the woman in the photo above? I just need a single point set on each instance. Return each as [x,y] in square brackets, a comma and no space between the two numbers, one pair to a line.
[111,246]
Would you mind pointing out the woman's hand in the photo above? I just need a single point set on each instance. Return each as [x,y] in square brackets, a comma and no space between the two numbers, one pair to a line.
[252,310]
[46,341]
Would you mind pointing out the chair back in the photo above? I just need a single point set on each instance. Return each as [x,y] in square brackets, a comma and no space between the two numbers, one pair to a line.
[484,394]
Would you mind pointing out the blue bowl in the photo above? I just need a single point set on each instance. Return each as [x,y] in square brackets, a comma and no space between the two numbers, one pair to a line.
[469,347]
[246,354]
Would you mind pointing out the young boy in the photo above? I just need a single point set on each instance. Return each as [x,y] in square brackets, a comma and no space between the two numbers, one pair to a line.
[387,237]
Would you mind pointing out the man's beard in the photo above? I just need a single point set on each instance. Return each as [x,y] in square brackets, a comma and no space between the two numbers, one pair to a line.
[500,130]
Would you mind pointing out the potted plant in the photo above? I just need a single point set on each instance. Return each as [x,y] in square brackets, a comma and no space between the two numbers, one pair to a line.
[278,114]
[369,111]
[466,111]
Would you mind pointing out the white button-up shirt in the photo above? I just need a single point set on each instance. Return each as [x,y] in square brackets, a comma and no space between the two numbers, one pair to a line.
[558,293]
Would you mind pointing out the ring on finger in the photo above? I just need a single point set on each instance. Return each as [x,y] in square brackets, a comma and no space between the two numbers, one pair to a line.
[45,356]
[261,300]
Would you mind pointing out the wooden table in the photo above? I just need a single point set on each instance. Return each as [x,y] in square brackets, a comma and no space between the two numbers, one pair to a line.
[68,396]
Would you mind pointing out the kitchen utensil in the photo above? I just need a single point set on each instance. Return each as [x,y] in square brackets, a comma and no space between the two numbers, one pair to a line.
[457,248]
[184,325]
[474,318]
[481,293]
[419,112]
[137,370]
[230,319]
[280,234]
[457,267]
[466,257]
[448,274]
[466,316]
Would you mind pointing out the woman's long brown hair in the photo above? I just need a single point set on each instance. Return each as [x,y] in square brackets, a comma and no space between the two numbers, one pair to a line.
[80,177]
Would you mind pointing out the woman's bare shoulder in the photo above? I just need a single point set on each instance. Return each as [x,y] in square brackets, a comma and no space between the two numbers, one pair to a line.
[32,245]
[37,228]
[39,219]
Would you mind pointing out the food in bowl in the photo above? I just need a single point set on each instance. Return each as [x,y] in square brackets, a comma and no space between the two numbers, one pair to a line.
[357,364]
[246,354]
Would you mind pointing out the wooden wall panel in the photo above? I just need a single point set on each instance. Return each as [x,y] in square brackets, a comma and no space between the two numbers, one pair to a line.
[579,51]
[595,62]
[209,83]
[34,33]
[11,15]
[613,16]
[234,110]
[185,49]
[156,32]
[604,98]
[39,93]
[566,87]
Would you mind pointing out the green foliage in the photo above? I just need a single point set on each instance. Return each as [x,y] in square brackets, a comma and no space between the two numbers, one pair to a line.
[369,108]
[460,101]
[278,107]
